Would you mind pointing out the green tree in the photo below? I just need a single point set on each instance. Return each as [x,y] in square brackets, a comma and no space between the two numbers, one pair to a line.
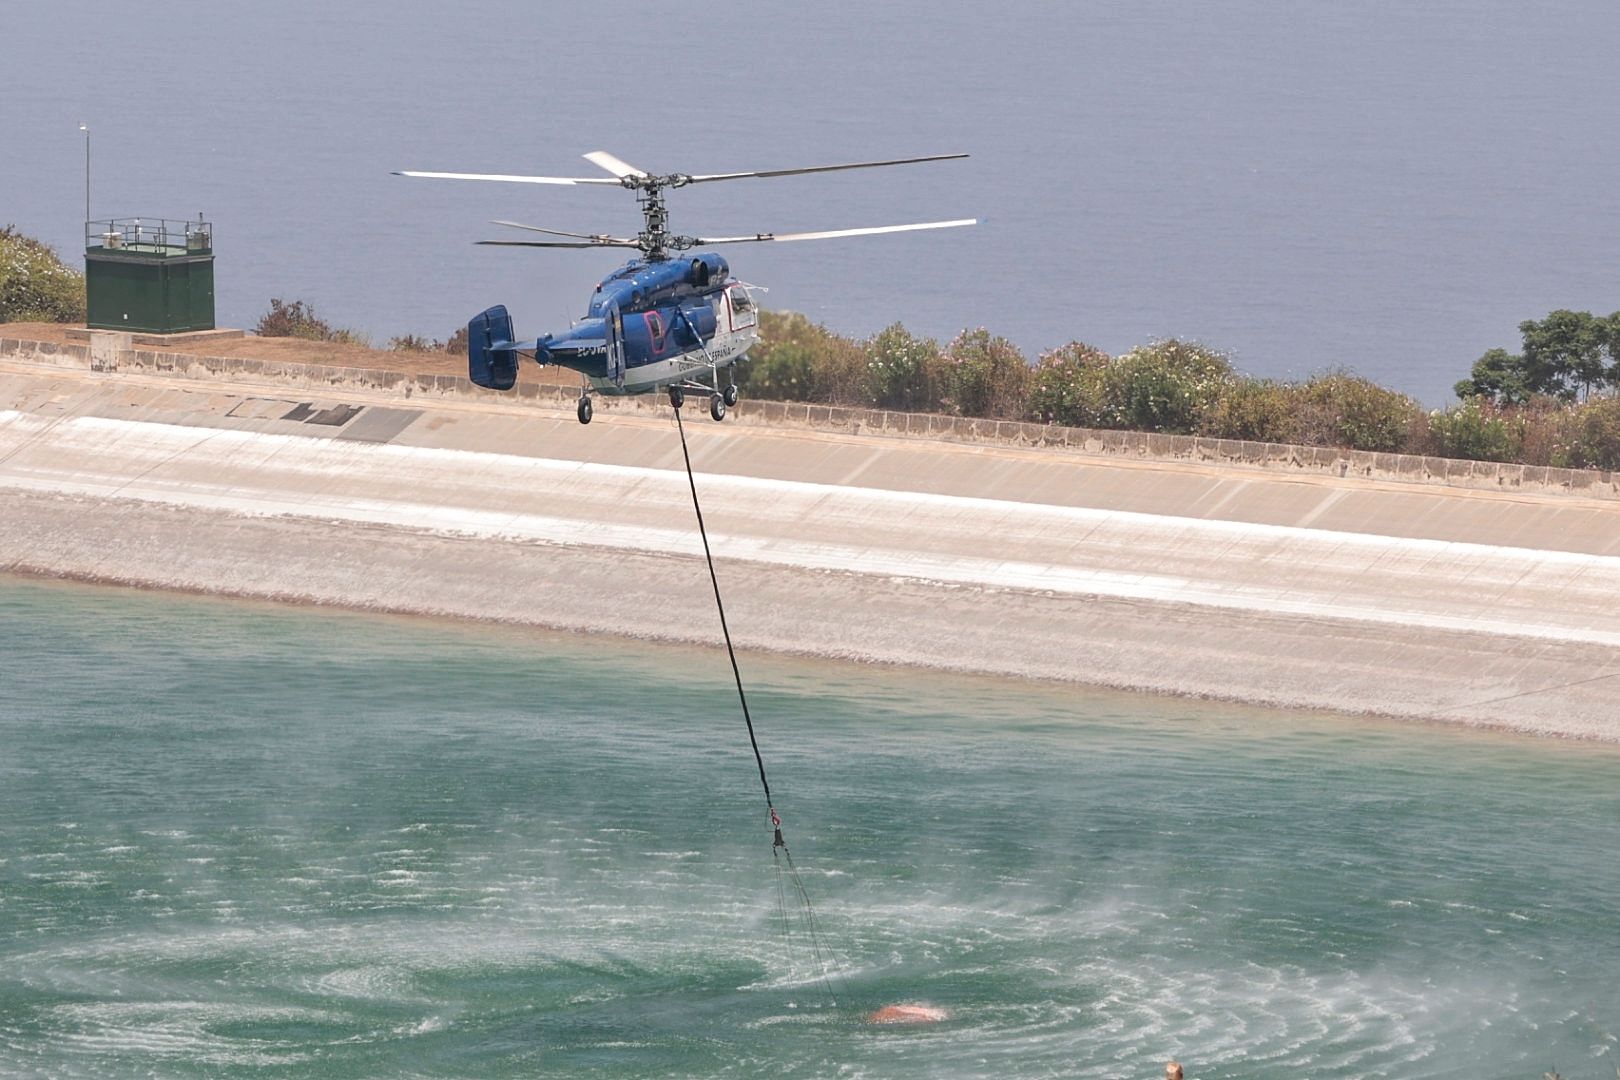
[1497,376]
[1564,353]
[35,285]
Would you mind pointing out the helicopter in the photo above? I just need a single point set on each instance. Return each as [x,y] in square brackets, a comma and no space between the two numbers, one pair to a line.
[660,321]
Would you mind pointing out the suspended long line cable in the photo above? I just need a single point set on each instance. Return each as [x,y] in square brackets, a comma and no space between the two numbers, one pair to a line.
[778,844]
[736,673]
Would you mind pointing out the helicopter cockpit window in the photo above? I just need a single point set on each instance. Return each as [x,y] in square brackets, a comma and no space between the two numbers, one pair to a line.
[743,313]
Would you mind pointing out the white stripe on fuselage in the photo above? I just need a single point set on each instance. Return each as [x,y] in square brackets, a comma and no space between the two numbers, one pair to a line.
[725,348]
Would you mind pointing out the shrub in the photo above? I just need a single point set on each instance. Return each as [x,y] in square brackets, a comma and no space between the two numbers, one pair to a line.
[457,345]
[1068,385]
[298,320]
[841,372]
[1256,409]
[1594,436]
[412,343]
[1166,386]
[1544,430]
[1475,431]
[903,371]
[798,360]
[1345,410]
[986,376]
[35,285]
[785,372]
[344,336]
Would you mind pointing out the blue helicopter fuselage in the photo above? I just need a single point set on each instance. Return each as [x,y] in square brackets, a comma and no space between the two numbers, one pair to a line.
[650,324]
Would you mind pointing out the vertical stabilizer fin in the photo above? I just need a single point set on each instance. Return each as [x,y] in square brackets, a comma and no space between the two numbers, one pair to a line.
[492,358]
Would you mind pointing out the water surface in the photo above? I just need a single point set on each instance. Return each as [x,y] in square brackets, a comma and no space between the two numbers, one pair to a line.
[237,839]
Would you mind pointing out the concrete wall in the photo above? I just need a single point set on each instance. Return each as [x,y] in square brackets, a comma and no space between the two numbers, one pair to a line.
[1276,457]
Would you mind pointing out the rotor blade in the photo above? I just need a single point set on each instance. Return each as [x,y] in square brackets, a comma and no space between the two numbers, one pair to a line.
[599,238]
[761,237]
[826,168]
[512,179]
[604,160]
[558,243]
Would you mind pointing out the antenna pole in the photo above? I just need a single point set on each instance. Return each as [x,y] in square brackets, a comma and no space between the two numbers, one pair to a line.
[84,127]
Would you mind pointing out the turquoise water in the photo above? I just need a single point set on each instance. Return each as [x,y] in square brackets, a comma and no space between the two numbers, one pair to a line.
[238,839]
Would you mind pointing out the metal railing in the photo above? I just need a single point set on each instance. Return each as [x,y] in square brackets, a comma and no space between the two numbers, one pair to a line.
[150,236]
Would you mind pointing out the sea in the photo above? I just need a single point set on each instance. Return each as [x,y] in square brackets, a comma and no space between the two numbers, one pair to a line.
[1382,186]
[238,839]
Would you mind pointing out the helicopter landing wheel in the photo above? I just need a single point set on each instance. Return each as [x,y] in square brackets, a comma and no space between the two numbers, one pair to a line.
[730,394]
[677,397]
[584,410]
[717,407]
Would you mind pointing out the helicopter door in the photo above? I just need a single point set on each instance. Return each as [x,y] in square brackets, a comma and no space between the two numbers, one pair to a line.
[743,312]
[613,331]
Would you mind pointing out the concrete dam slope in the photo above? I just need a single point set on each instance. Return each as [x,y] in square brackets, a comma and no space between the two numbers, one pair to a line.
[1402,599]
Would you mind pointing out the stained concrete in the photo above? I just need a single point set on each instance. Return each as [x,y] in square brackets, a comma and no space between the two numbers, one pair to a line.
[1164,575]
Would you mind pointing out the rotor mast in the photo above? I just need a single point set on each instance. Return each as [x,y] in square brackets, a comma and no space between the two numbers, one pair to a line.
[655,238]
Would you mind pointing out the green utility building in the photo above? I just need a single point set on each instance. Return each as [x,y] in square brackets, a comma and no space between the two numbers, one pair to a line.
[152,275]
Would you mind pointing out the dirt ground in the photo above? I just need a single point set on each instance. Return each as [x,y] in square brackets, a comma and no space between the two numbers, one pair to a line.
[301,351]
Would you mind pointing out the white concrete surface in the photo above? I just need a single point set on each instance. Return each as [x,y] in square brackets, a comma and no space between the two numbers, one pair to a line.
[1252,593]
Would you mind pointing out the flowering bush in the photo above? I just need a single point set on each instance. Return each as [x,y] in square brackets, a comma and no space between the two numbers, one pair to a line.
[1477,431]
[986,376]
[1068,385]
[1595,438]
[35,285]
[1167,386]
[785,372]
[1259,410]
[798,360]
[903,371]
[1341,409]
